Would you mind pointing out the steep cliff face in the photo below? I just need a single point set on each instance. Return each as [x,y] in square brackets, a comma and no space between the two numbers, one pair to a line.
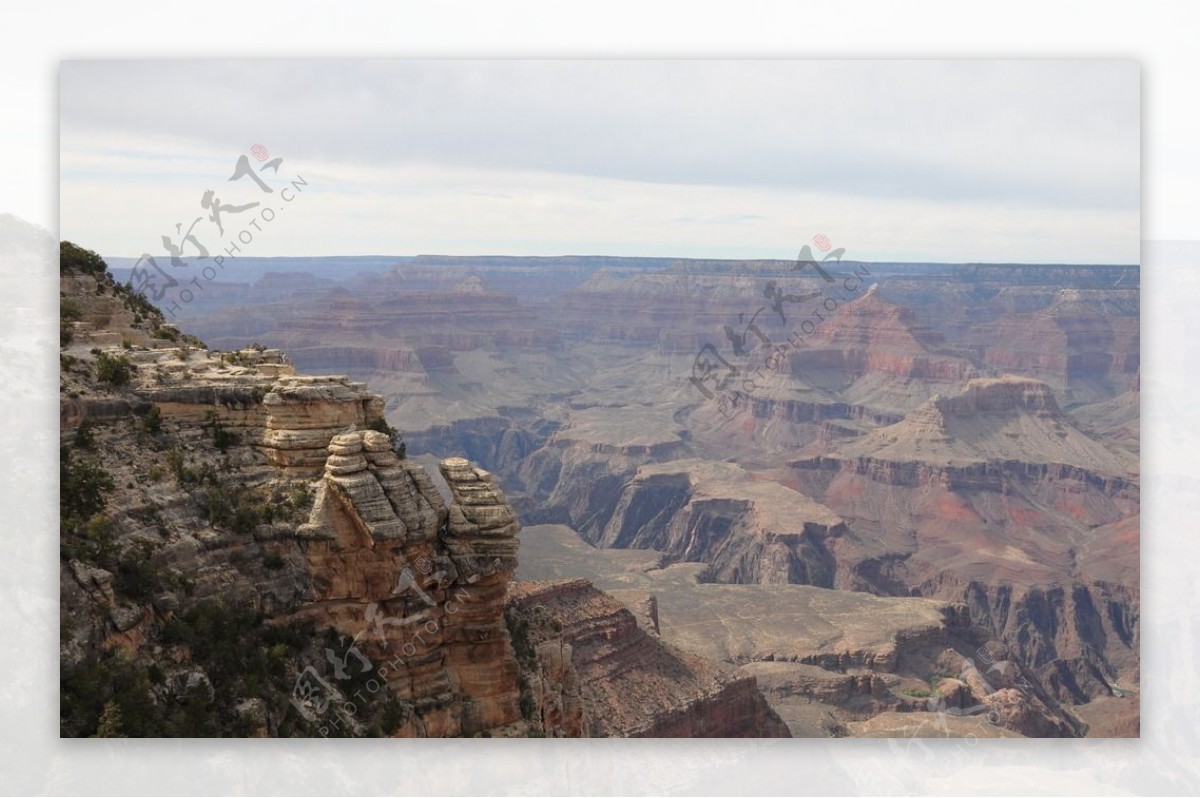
[625,682]
[1085,343]
[1079,639]
[246,551]
[418,583]
[391,600]
[824,659]
[992,497]
[198,570]
[870,335]
[747,531]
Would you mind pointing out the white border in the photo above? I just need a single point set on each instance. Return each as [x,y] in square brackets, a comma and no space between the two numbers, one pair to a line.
[1161,37]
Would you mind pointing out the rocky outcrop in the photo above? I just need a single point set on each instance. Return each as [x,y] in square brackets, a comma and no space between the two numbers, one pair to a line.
[289,418]
[73,411]
[302,413]
[629,683]
[580,666]
[871,334]
[998,483]
[418,583]
[746,531]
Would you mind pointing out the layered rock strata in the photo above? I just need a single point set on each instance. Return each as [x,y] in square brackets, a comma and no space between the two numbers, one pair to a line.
[627,682]
[420,584]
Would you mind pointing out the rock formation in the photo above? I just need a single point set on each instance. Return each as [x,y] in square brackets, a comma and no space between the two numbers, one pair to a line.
[994,498]
[826,660]
[245,552]
[418,583]
[1015,497]
[703,511]
[623,682]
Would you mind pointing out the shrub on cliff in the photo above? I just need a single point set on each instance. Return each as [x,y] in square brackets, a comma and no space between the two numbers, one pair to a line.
[111,686]
[85,438]
[68,313]
[222,438]
[398,444]
[151,423]
[137,304]
[234,506]
[82,486]
[136,578]
[518,631]
[74,259]
[242,657]
[114,370]
[381,425]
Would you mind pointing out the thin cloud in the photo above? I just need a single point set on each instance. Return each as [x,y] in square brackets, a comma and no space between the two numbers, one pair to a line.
[989,141]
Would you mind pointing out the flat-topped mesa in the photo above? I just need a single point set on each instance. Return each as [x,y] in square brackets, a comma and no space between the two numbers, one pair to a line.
[999,395]
[1012,423]
[994,397]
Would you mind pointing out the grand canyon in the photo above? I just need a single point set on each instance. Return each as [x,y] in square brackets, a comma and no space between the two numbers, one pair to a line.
[601,496]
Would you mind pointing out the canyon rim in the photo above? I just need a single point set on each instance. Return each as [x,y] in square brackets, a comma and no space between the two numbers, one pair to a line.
[863,480]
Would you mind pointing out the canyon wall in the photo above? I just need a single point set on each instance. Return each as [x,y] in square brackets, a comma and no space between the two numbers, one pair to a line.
[631,684]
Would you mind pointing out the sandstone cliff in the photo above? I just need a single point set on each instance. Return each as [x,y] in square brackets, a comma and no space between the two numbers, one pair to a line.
[824,659]
[1017,501]
[248,551]
[623,681]
[994,498]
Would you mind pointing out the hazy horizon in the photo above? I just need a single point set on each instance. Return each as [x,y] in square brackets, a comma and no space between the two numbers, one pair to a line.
[921,161]
[530,256]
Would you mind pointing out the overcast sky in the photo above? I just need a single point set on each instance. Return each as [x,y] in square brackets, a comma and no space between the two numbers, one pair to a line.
[943,161]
